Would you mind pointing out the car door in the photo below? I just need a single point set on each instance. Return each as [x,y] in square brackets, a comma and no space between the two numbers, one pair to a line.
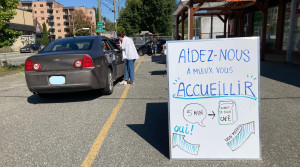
[110,56]
[118,59]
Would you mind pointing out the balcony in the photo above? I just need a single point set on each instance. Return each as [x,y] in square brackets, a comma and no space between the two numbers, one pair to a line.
[26,7]
[49,7]
[50,20]
[52,33]
[52,27]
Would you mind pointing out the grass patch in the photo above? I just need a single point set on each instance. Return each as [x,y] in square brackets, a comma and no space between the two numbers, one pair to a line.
[11,68]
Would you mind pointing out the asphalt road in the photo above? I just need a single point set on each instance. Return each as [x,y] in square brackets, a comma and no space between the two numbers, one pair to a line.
[63,130]
[15,58]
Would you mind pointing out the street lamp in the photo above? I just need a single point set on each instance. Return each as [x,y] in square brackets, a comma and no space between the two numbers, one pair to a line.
[74,31]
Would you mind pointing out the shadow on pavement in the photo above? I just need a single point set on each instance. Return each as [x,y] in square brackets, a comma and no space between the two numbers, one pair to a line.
[65,97]
[161,72]
[160,59]
[155,128]
[287,73]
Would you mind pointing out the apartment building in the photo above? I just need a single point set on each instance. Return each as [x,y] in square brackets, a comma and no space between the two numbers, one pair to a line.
[55,15]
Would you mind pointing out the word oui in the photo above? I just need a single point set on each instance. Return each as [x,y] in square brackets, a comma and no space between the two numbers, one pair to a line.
[184,129]
[193,55]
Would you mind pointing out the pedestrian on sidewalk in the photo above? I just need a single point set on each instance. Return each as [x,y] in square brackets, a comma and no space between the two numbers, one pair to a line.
[154,46]
[130,54]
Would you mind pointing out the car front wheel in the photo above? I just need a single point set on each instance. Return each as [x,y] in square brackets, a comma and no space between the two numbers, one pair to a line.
[141,53]
[109,86]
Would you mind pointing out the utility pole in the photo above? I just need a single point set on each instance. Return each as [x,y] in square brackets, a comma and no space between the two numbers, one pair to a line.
[99,10]
[118,7]
[115,14]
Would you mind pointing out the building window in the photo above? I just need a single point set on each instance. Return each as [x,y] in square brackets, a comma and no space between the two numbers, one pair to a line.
[59,31]
[35,12]
[58,24]
[34,5]
[57,11]
[286,29]
[271,28]
[41,5]
[43,18]
[257,25]
[58,18]
[42,11]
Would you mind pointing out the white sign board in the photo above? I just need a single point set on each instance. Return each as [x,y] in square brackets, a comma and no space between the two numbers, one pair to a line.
[214,98]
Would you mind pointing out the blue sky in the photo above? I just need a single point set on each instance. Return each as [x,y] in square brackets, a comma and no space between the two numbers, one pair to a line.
[105,5]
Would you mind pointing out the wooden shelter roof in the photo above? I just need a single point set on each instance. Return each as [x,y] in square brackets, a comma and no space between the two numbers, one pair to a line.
[210,7]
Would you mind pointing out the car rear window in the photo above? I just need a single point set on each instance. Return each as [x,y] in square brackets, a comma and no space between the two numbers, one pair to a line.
[69,44]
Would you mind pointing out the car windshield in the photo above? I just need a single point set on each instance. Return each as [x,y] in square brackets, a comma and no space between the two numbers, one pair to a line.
[69,44]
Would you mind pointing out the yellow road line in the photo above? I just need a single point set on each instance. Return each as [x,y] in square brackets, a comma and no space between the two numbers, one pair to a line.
[89,159]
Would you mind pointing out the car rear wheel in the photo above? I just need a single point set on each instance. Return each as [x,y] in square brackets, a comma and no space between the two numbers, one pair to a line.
[109,86]
[141,53]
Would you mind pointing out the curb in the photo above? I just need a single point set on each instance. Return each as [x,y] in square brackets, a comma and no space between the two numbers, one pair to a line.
[10,72]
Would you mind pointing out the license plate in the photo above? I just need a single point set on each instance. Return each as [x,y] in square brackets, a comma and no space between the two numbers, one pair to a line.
[57,80]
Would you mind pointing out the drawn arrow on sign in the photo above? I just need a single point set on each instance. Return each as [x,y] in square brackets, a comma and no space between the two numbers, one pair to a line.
[213,114]
[179,141]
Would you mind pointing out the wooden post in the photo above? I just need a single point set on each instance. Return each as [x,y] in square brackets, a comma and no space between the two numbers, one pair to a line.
[182,25]
[225,25]
[177,27]
[241,24]
[279,28]
[191,26]
[191,14]
[264,10]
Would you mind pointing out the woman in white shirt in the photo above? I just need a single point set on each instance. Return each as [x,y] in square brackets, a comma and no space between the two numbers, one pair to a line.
[130,55]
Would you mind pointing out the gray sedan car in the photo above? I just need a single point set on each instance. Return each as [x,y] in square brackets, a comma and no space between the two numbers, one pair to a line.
[75,64]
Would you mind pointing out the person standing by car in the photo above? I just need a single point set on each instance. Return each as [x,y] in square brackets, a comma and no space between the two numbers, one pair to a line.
[130,55]
[154,46]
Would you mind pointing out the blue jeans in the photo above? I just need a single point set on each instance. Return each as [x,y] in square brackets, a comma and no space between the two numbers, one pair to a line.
[129,70]
[154,48]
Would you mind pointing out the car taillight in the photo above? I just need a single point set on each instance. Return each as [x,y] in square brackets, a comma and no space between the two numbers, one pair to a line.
[86,61]
[78,63]
[30,66]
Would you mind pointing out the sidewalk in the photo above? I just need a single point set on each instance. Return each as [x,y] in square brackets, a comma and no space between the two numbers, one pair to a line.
[140,133]
[281,58]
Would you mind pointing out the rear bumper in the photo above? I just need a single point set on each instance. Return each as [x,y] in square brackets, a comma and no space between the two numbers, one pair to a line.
[76,80]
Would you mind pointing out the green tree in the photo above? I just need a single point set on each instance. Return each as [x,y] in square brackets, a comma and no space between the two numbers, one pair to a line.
[109,26]
[45,40]
[120,29]
[130,17]
[80,20]
[151,15]
[159,12]
[7,12]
